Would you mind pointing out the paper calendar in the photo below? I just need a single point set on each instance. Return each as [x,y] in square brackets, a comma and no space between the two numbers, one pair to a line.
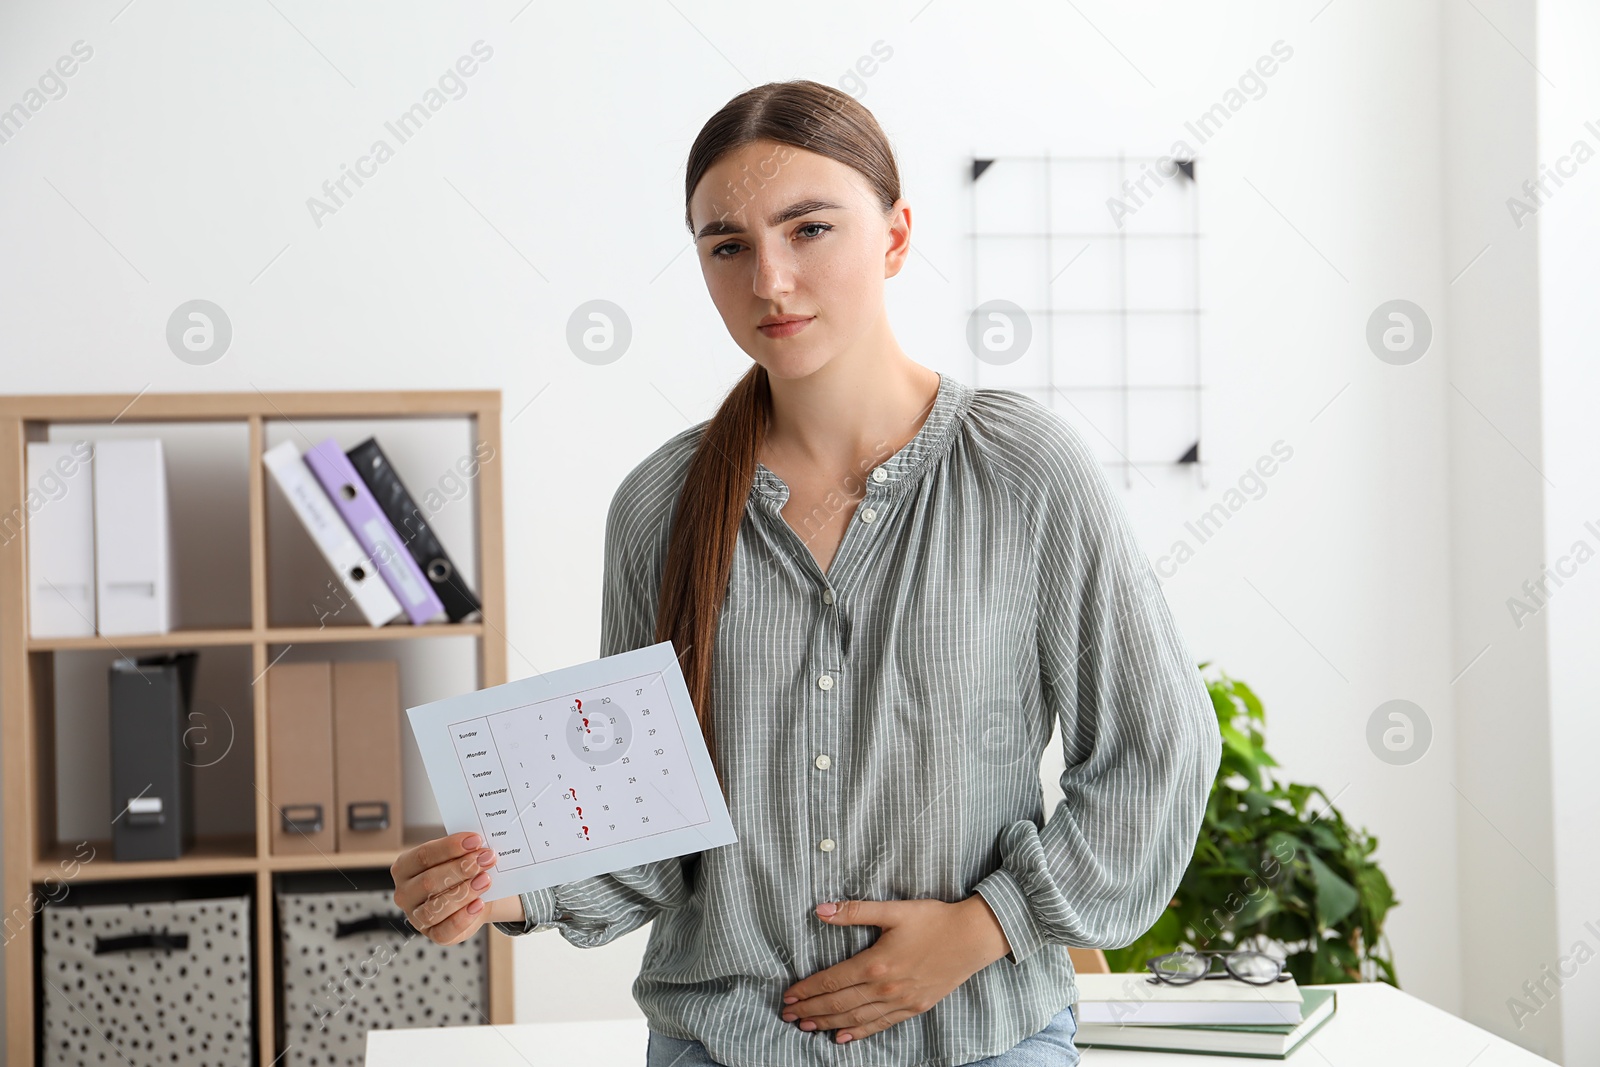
[576,772]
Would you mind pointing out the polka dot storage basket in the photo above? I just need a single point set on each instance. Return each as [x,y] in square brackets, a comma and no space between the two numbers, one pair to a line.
[150,982]
[351,963]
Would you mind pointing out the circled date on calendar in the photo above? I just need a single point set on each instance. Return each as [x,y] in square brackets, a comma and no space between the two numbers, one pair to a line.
[585,770]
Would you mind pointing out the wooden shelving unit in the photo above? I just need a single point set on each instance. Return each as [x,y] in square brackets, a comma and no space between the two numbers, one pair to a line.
[32,851]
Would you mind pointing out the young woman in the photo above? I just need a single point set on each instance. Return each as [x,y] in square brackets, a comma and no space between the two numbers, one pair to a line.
[885,588]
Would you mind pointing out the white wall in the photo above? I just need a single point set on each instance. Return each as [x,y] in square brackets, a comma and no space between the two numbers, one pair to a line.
[1569,320]
[179,163]
[1496,535]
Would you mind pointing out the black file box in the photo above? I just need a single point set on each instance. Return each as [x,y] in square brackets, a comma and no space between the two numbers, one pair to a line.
[152,808]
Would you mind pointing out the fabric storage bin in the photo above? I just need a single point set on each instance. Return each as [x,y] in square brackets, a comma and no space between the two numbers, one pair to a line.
[158,981]
[351,963]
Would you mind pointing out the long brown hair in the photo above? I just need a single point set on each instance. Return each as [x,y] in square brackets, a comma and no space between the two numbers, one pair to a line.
[716,487]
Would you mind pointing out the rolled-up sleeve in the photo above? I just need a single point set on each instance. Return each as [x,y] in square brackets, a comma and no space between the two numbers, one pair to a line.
[1138,729]
[593,911]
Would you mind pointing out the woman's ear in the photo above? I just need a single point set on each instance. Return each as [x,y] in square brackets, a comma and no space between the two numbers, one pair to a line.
[898,232]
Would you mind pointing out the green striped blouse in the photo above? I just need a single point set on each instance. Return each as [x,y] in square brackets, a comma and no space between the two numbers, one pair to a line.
[881,725]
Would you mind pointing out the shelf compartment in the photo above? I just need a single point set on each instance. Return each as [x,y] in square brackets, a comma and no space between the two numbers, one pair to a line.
[428,670]
[440,460]
[74,766]
[208,512]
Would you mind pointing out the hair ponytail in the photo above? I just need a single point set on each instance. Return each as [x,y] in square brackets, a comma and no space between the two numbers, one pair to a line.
[705,532]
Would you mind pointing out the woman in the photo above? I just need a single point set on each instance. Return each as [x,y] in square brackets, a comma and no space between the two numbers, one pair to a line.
[885,588]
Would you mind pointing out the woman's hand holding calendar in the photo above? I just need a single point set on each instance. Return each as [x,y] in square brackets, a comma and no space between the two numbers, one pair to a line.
[440,884]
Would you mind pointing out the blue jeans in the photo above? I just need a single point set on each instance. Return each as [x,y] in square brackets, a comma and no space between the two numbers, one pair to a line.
[1051,1047]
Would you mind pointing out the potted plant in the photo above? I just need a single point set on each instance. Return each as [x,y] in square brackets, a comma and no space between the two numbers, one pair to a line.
[1272,870]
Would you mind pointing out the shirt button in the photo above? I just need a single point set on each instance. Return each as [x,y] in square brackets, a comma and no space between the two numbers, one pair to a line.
[826,681]
[867,514]
[827,596]
[826,844]
[880,475]
[824,762]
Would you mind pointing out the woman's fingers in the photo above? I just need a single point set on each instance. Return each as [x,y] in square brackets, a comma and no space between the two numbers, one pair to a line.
[459,924]
[882,1022]
[436,879]
[850,1018]
[459,894]
[448,876]
[413,861]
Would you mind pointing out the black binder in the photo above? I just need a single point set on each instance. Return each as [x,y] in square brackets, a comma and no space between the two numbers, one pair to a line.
[152,798]
[406,518]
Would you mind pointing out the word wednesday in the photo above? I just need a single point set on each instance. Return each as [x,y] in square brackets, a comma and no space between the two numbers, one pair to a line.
[403,128]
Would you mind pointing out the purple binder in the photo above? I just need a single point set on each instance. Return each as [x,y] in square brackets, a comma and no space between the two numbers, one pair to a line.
[374,532]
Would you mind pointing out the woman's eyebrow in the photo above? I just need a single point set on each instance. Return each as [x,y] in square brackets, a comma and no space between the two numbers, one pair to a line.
[723,227]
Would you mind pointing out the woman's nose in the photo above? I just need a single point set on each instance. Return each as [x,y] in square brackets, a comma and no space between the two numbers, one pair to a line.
[774,273]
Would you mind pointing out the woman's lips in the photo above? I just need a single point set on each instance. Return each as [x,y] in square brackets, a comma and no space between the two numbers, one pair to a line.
[785,329]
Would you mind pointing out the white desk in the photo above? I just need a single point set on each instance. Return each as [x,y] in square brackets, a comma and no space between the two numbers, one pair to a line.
[1376,1025]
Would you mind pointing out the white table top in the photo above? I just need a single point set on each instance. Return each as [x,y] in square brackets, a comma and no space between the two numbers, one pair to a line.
[1375,1025]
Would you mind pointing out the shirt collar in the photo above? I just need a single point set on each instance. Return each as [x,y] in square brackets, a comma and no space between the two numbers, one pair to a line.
[904,467]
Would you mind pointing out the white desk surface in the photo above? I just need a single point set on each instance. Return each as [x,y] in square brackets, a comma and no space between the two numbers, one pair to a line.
[1375,1025]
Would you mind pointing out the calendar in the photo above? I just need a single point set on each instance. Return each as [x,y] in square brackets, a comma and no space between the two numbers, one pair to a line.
[581,771]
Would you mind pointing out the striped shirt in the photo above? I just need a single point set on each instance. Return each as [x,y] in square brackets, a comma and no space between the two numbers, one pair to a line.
[881,725]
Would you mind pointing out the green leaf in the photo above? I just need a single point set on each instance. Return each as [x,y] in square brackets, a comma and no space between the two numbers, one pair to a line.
[1238,743]
[1376,891]
[1258,910]
[1326,838]
[1336,897]
[1251,702]
[1286,848]
[1324,968]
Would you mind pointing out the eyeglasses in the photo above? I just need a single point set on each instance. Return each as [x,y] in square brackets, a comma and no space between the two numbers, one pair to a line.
[1186,966]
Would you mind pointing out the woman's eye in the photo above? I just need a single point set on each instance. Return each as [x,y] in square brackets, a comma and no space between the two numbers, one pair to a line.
[719,253]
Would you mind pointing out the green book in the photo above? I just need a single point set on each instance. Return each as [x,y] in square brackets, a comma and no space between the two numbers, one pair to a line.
[1264,1041]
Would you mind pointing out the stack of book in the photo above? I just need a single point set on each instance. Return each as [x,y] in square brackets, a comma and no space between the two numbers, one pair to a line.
[371,532]
[1217,1015]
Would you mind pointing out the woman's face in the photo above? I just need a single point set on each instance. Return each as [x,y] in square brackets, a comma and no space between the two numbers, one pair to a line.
[781,231]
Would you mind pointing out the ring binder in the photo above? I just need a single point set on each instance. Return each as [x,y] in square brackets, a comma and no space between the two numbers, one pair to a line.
[403,514]
[373,530]
[333,538]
